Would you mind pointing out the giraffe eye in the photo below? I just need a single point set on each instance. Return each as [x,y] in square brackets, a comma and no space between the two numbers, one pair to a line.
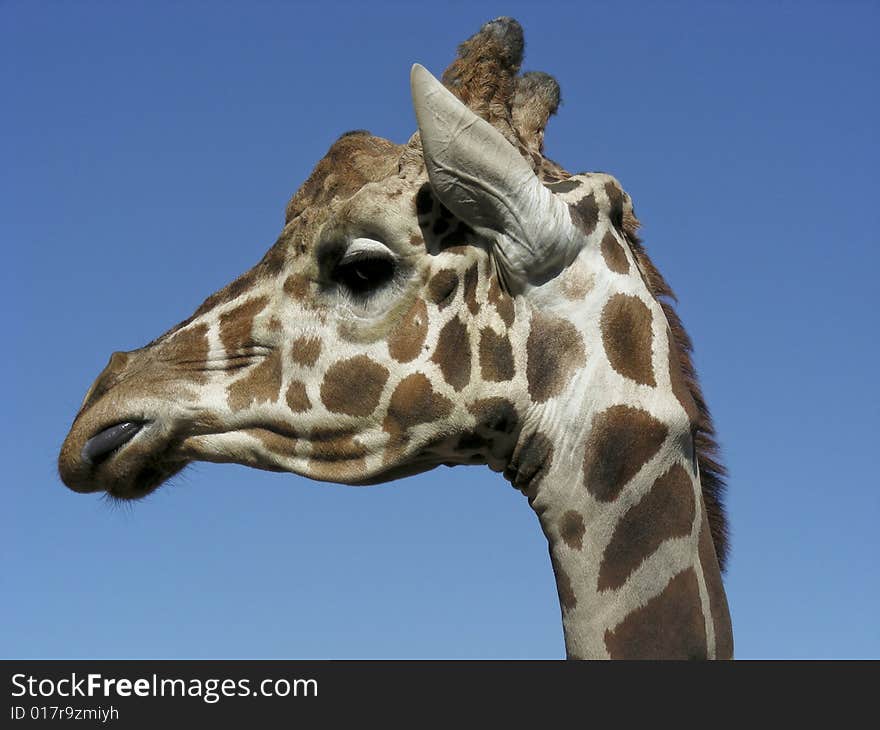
[364,275]
[365,267]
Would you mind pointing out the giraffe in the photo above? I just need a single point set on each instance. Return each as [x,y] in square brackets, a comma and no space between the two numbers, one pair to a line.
[457,299]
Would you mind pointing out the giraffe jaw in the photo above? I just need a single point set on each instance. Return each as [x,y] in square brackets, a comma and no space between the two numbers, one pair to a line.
[273,446]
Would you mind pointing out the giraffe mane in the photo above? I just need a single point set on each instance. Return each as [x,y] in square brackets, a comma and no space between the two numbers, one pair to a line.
[713,473]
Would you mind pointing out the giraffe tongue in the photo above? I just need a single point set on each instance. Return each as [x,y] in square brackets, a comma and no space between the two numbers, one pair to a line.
[101,444]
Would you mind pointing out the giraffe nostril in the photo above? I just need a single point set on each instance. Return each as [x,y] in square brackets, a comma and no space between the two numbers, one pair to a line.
[101,444]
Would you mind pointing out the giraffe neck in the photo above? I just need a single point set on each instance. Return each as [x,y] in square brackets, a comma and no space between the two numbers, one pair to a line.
[636,574]
[609,466]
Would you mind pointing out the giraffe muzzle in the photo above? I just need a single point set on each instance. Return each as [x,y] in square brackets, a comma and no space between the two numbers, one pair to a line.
[102,444]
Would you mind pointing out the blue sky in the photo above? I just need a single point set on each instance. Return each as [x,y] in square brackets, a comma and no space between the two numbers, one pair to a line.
[148,151]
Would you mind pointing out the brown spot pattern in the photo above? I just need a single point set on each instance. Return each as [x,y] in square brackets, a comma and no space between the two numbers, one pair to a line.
[470,289]
[679,385]
[614,255]
[667,511]
[274,442]
[237,324]
[297,398]
[506,309]
[572,529]
[305,351]
[615,204]
[669,626]
[262,384]
[442,287]
[186,350]
[585,214]
[495,414]
[406,341]
[453,353]
[555,350]
[337,451]
[413,402]
[502,302]
[627,338]
[717,597]
[622,440]
[353,386]
[296,286]
[496,356]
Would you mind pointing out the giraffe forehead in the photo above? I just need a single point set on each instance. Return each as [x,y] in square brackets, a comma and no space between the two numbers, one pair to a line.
[382,210]
[353,160]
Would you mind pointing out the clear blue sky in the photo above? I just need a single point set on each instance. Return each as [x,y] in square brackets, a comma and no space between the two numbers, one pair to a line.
[148,150]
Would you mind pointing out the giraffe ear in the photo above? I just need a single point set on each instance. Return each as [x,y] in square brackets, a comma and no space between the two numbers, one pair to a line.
[485,181]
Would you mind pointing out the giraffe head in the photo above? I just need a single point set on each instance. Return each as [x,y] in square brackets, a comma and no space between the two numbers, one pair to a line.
[378,336]
[458,299]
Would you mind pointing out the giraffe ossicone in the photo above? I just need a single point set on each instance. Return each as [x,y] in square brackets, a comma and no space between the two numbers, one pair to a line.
[458,299]
[482,179]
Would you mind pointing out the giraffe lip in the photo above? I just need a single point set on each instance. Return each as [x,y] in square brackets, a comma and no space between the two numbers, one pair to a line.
[108,440]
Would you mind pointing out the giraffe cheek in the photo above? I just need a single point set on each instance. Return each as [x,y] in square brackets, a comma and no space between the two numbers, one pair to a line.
[412,403]
[305,351]
[405,342]
[453,353]
[188,346]
[297,398]
[262,384]
[353,386]
[496,356]
[236,325]
[442,287]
